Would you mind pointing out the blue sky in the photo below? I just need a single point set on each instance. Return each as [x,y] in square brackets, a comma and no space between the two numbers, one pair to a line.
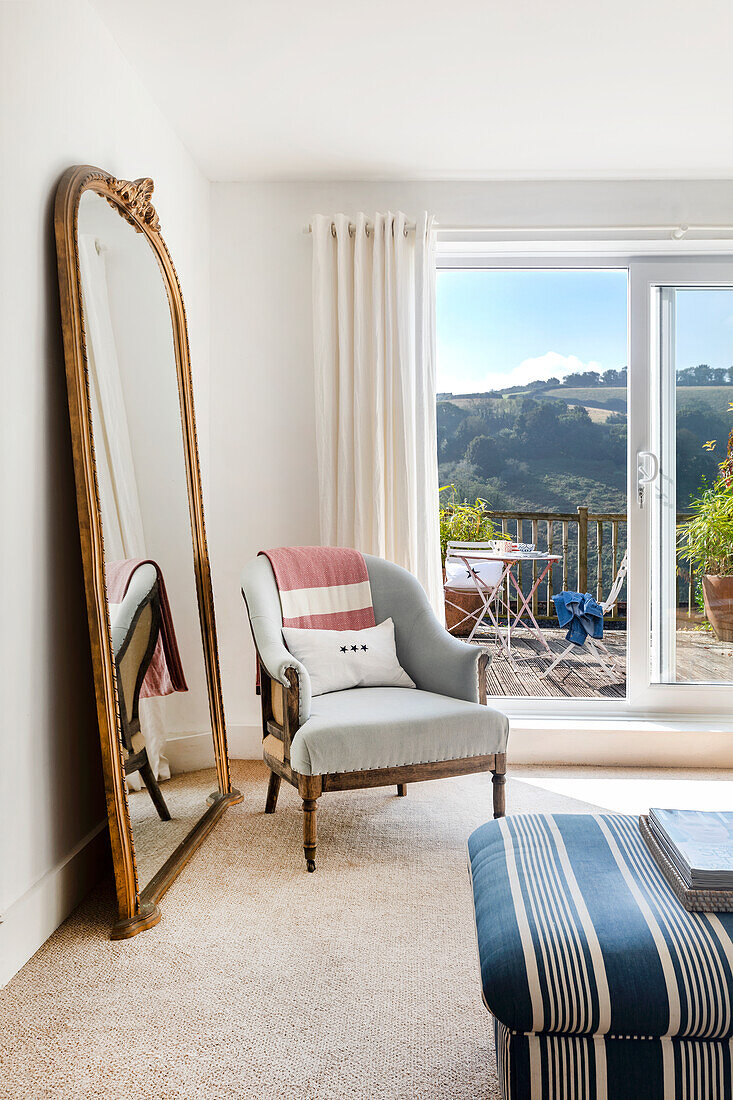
[501,328]
[704,328]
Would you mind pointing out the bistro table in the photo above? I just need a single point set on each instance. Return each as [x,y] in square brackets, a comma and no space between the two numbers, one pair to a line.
[491,596]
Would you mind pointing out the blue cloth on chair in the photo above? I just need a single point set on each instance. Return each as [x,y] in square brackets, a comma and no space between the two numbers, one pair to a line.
[582,612]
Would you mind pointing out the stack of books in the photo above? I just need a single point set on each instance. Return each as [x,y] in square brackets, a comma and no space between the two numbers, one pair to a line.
[698,844]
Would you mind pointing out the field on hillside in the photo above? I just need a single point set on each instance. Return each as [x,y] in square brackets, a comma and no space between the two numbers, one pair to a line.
[599,397]
[611,398]
[599,416]
[715,398]
[471,402]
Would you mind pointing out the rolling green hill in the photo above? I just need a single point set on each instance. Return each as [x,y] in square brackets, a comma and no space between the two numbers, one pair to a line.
[715,398]
[598,397]
[552,449]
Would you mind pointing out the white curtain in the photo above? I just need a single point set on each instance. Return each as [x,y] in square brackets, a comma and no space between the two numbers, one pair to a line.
[122,523]
[374,345]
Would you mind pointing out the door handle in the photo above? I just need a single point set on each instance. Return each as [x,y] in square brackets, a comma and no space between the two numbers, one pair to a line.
[644,474]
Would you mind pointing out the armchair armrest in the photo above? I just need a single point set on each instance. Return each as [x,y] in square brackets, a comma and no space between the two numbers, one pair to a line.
[284,682]
[443,664]
[277,660]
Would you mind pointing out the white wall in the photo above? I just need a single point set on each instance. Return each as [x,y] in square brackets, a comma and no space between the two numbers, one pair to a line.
[263,459]
[68,97]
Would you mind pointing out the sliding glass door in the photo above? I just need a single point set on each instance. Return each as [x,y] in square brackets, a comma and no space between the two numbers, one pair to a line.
[548,451]
[681,511]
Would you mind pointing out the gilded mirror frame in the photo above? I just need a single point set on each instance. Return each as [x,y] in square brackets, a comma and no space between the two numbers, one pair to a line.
[137,910]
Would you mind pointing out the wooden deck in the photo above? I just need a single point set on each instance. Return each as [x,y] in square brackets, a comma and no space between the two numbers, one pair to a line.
[700,657]
[579,677]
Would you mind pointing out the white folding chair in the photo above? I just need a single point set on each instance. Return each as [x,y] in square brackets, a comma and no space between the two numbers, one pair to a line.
[469,567]
[608,662]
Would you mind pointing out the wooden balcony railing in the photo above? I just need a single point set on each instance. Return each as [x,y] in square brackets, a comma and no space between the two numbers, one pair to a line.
[591,546]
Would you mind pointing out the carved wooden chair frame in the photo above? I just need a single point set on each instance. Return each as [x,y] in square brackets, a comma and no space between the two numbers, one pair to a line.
[280,723]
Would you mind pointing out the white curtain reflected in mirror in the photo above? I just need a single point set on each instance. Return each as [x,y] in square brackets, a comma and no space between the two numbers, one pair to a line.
[156,635]
[122,522]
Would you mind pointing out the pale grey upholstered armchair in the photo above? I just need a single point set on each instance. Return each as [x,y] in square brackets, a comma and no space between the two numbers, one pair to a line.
[373,737]
[135,628]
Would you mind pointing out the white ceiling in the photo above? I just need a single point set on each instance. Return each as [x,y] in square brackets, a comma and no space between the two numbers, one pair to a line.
[456,89]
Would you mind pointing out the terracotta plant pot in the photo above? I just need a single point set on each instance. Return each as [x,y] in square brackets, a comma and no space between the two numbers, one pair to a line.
[717,594]
[468,601]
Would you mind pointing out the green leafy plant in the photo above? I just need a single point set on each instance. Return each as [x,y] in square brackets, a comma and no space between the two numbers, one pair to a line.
[465,522]
[706,539]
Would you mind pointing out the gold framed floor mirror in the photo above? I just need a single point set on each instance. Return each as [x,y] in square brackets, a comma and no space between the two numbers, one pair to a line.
[146,566]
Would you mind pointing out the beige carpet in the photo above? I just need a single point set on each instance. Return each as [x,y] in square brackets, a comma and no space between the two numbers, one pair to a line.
[262,981]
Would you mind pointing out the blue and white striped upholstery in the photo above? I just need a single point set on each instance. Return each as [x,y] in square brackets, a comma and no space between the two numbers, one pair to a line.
[601,984]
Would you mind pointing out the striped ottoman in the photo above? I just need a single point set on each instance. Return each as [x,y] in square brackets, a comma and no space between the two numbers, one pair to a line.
[600,983]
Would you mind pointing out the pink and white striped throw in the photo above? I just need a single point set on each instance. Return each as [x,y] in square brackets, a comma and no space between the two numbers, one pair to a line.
[322,587]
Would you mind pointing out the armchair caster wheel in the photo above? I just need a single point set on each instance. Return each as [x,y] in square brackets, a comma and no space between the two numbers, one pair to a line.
[310,864]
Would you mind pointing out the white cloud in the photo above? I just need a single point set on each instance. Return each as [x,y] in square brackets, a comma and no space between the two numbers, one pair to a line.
[542,367]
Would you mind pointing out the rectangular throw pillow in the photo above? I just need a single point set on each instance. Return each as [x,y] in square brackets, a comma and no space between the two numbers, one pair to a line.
[341,659]
[458,574]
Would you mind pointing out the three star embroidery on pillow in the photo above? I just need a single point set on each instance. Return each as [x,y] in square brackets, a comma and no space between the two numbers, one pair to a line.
[354,649]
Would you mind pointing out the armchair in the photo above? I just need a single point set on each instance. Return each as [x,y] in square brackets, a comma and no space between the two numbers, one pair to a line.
[373,737]
[135,629]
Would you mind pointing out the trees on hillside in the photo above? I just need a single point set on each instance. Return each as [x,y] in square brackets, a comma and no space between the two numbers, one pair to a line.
[701,375]
[614,377]
[534,451]
[704,375]
[484,453]
[585,378]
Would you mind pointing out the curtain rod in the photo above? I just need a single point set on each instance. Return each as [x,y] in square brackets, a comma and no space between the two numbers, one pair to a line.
[409,228]
[677,232]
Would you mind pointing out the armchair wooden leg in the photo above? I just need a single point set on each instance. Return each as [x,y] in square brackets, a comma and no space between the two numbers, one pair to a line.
[402,790]
[498,780]
[146,774]
[273,790]
[310,834]
[309,788]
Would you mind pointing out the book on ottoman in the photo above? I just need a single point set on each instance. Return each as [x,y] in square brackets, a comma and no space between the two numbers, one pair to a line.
[699,843]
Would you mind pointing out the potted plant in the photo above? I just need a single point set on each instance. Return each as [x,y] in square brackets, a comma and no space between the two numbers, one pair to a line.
[706,541]
[464,523]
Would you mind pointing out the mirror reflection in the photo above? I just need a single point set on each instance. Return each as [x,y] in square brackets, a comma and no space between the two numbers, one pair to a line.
[156,635]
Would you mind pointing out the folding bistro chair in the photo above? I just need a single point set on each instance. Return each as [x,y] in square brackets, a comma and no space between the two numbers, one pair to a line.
[595,646]
[469,567]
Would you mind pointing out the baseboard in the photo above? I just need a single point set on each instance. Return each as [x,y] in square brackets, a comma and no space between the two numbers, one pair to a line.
[34,916]
[189,752]
[245,742]
[633,743]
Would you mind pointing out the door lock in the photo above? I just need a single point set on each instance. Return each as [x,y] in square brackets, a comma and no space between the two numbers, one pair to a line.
[647,471]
